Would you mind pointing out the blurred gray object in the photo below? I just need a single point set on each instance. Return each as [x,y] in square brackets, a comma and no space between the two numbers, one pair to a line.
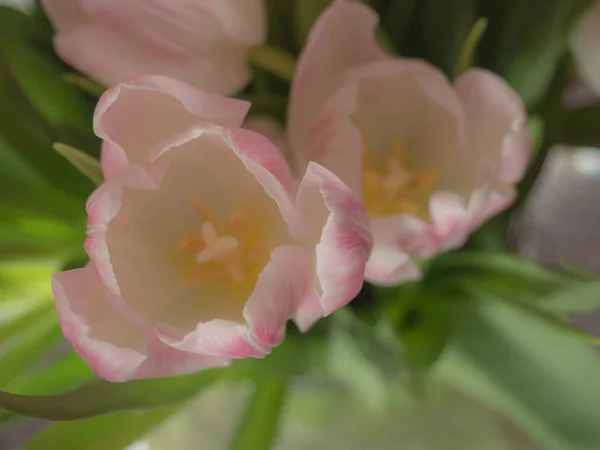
[562,217]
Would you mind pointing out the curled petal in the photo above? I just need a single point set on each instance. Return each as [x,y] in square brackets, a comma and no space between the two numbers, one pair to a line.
[114,348]
[218,338]
[285,283]
[134,116]
[326,205]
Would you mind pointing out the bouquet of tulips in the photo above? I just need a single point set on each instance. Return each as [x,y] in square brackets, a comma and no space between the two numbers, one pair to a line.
[285,193]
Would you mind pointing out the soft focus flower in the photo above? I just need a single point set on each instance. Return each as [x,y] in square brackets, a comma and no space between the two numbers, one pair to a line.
[432,160]
[585,44]
[200,247]
[201,42]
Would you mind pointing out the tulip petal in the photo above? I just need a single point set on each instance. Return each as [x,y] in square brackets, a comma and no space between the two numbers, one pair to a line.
[343,37]
[132,117]
[114,348]
[65,15]
[271,129]
[390,266]
[244,20]
[218,338]
[266,163]
[498,140]
[285,283]
[345,237]
[584,45]
[495,118]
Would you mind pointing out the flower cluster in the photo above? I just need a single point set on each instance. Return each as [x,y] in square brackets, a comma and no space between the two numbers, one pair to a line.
[209,234]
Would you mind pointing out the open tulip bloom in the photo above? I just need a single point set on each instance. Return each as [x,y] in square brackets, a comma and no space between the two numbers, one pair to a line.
[201,245]
[431,159]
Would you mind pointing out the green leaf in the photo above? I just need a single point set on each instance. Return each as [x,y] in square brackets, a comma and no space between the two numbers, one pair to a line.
[281,26]
[506,268]
[528,51]
[85,84]
[14,167]
[397,20]
[423,326]
[466,58]
[483,291]
[535,130]
[38,340]
[68,372]
[347,362]
[14,23]
[110,432]
[41,80]
[102,397]
[306,13]
[11,328]
[274,60]
[582,127]
[578,299]
[22,127]
[85,163]
[545,381]
[442,39]
[258,427]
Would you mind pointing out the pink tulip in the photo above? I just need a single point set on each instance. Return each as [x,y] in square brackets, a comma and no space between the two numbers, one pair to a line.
[431,159]
[200,246]
[202,42]
[585,44]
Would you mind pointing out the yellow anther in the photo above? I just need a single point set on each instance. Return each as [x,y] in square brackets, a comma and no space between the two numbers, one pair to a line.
[230,252]
[392,188]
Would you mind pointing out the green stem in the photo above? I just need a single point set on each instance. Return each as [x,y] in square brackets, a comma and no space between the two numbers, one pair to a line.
[258,427]
[273,60]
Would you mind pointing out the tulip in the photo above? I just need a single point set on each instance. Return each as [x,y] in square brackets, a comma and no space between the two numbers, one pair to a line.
[201,246]
[431,159]
[204,43]
[585,45]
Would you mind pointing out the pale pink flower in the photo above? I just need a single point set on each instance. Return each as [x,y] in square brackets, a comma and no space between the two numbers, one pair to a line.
[200,247]
[585,45]
[202,42]
[431,159]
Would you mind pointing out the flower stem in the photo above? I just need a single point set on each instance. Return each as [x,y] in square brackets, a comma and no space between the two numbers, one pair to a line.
[273,60]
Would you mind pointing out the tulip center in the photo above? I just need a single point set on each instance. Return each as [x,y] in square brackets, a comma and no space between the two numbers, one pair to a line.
[390,188]
[230,251]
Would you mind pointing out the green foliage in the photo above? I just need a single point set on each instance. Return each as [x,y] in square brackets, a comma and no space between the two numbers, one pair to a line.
[112,432]
[306,13]
[102,397]
[581,127]
[396,21]
[515,363]
[258,426]
[466,57]
[40,79]
[86,164]
[445,26]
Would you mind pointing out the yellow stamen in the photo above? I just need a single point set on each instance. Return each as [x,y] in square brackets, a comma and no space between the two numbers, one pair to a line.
[393,188]
[232,253]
